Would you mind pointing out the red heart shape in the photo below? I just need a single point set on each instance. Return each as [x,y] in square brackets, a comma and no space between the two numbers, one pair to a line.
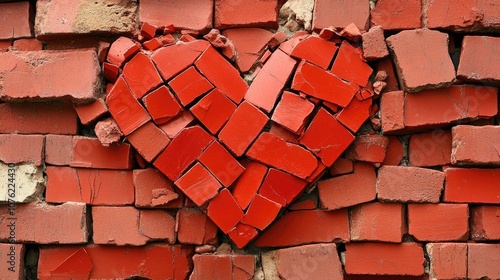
[241,152]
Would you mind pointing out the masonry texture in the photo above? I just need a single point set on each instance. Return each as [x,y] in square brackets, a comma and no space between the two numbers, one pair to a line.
[260,139]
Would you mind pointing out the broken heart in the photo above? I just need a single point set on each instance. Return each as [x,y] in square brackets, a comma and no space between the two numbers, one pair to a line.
[240,152]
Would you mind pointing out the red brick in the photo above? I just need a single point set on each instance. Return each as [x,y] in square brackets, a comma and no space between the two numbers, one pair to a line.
[185,53]
[392,111]
[438,222]
[413,45]
[436,107]
[189,85]
[81,81]
[242,234]
[56,18]
[248,50]
[281,187]
[315,50]
[242,128]
[283,133]
[121,50]
[162,105]
[395,152]
[318,261]
[108,262]
[308,226]
[339,14]
[15,20]
[214,110]
[319,83]
[409,184]
[466,15]
[472,185]
[374,46]
[342,166]
[182,14]
[149,141]
[326,137]
[261,212]
[248,183]
[16,148]
[13,266]
[91,186]
[447,260]
[482,67]
[291,158]
[108,132]
[198,184]
[125,109]
[475,145]
[355,114]
[42,223]
[397,14]
[90,153]
[141,75]
[194,227]
[350,66]
[223,266]
[269,83]
[378,221]
[152,189]
[110,72]
[348,190]
[369,148]
[292,111]
[90,112]
[177,124]
[221,164]
[261,13]
[129,226]
[182,151]
[38,118]
[224,211]
[430,148]
[27,45]
[384,259]
[222,75]
[485,223]
[482,261]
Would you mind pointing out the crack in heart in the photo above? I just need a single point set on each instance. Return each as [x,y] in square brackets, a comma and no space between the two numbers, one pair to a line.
[242,153]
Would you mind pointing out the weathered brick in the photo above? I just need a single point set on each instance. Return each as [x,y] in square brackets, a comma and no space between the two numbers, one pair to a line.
[482,261]
[15,20]
[485,222]
[477,60]
[55,17]
[341,13]
[16,148]
[447,260]
[378,221]
[38,76]
[430,148]
[12,268]
[475,145]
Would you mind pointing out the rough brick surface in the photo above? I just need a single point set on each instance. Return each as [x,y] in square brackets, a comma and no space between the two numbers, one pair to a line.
[384,259]
[42,223]
[21,148]
[317,261]
[58,149]
[223,266]
[475,60]
[409,184]
[413,45]
[469,15]
[55,17]
[182,14]
[194,227]
[15,20]
[447,260]
[259,13]
[430,148]
[38,118]
[378,222]
[13,266]
[397,14]
[482,261]
[374,46]
[438,222]
[156,261]
[341,13]
[485,223]
[475,145]
[80,81]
